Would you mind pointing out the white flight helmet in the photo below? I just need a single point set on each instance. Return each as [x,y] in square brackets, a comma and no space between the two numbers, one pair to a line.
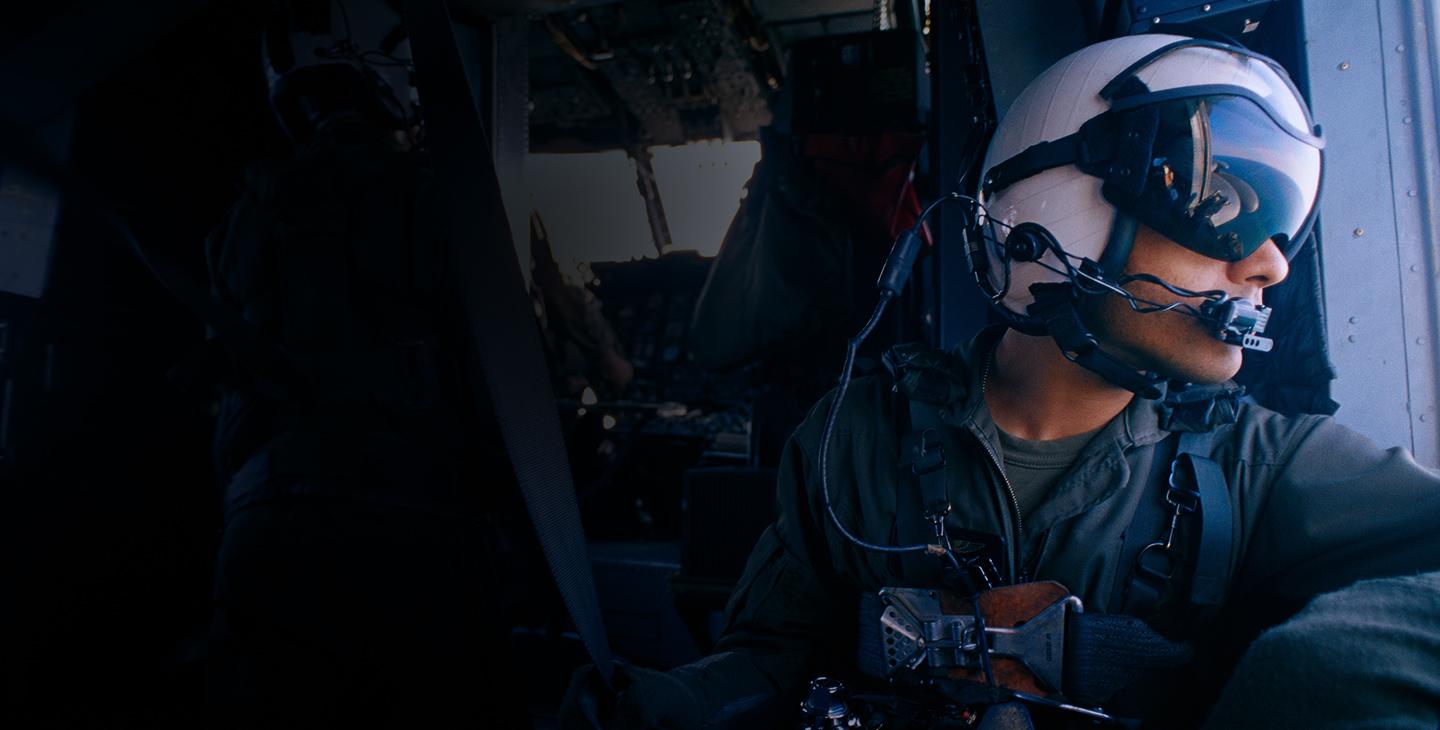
[1208,143]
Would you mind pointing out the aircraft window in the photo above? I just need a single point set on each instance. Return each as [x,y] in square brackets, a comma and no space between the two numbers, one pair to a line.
[593,210]
[701,184]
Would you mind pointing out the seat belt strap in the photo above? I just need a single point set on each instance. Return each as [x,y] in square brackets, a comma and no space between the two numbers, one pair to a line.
[503,341]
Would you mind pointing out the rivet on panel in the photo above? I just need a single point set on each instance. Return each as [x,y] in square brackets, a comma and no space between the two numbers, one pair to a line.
[1414,267]
[1410,193]
[1344,66]
[1155,20]
[1422,418]
[1405,120]
[1351,338]
[1400,48]
[1359,232]
[1205,9]
[1354,320]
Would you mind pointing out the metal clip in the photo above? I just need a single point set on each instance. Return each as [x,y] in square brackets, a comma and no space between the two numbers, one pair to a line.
[929,455]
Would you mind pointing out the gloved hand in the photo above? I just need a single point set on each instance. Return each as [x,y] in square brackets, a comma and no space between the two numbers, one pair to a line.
[643,699]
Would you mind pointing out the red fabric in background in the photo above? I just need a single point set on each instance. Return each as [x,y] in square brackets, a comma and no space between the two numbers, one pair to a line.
[873,174]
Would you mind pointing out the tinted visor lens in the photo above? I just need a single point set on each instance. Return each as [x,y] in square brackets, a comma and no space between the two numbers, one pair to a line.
[1225,178]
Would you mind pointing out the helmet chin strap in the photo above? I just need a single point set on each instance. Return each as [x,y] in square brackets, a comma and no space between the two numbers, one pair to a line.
[1055,306]
[1234,321]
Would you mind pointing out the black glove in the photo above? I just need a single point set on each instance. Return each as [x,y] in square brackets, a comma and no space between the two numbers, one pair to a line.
[643,699]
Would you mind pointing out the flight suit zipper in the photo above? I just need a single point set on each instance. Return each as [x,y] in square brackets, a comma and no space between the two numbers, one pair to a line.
[1014,503]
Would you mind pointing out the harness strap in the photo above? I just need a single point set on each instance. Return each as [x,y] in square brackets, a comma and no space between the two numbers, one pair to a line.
[926,456]
[1195,490]
[1133,596]
[1212,563]
[920,491]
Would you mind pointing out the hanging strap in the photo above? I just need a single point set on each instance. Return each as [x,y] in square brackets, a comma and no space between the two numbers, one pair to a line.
[1132,596]
[925,457]
[503,341]
[1212,563]
[1194,490]
[920,493]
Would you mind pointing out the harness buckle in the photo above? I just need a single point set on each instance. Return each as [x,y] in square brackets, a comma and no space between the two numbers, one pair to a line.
[928,455]
[1182,499]
[922,629]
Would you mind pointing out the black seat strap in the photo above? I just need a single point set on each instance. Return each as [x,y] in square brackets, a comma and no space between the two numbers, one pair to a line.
[503,342]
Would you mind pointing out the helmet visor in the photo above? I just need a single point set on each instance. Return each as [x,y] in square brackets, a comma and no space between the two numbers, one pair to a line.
[1224,178]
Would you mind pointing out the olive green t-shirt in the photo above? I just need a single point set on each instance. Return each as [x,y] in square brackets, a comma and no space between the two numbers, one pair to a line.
[1034,467]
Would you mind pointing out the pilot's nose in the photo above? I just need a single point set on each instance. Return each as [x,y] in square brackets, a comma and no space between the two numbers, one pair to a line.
[1266,266]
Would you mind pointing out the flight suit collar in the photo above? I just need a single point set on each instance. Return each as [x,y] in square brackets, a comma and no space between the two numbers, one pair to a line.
[1139,424]
[1180,407]
[1102,468]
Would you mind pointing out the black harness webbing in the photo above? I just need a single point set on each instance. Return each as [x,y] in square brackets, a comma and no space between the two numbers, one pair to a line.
[503,341]
[1195,491]
[1133,596]
[1212,564]
[920,492]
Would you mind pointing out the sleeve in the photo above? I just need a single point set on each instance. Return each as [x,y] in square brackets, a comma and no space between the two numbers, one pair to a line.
[1361,657]
[1349,528]
[1340,509]
[783,613]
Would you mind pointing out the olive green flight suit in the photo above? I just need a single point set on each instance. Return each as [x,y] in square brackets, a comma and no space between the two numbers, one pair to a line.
[1316,507]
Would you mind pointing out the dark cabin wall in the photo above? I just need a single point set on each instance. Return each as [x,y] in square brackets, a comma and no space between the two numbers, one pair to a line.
[109,514]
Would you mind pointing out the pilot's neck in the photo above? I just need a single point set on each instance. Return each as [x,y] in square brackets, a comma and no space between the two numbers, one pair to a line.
[1034,393]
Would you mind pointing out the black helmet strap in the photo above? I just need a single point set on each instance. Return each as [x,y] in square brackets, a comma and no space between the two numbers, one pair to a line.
[1055,306]
[1113,146]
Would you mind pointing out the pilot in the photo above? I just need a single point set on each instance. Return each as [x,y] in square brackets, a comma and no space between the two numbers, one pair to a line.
[1138,198]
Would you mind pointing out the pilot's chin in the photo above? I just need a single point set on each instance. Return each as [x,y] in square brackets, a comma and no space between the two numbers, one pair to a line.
[1206,363]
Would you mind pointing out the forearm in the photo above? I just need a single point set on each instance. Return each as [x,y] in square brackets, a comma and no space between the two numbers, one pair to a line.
[1367,656]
